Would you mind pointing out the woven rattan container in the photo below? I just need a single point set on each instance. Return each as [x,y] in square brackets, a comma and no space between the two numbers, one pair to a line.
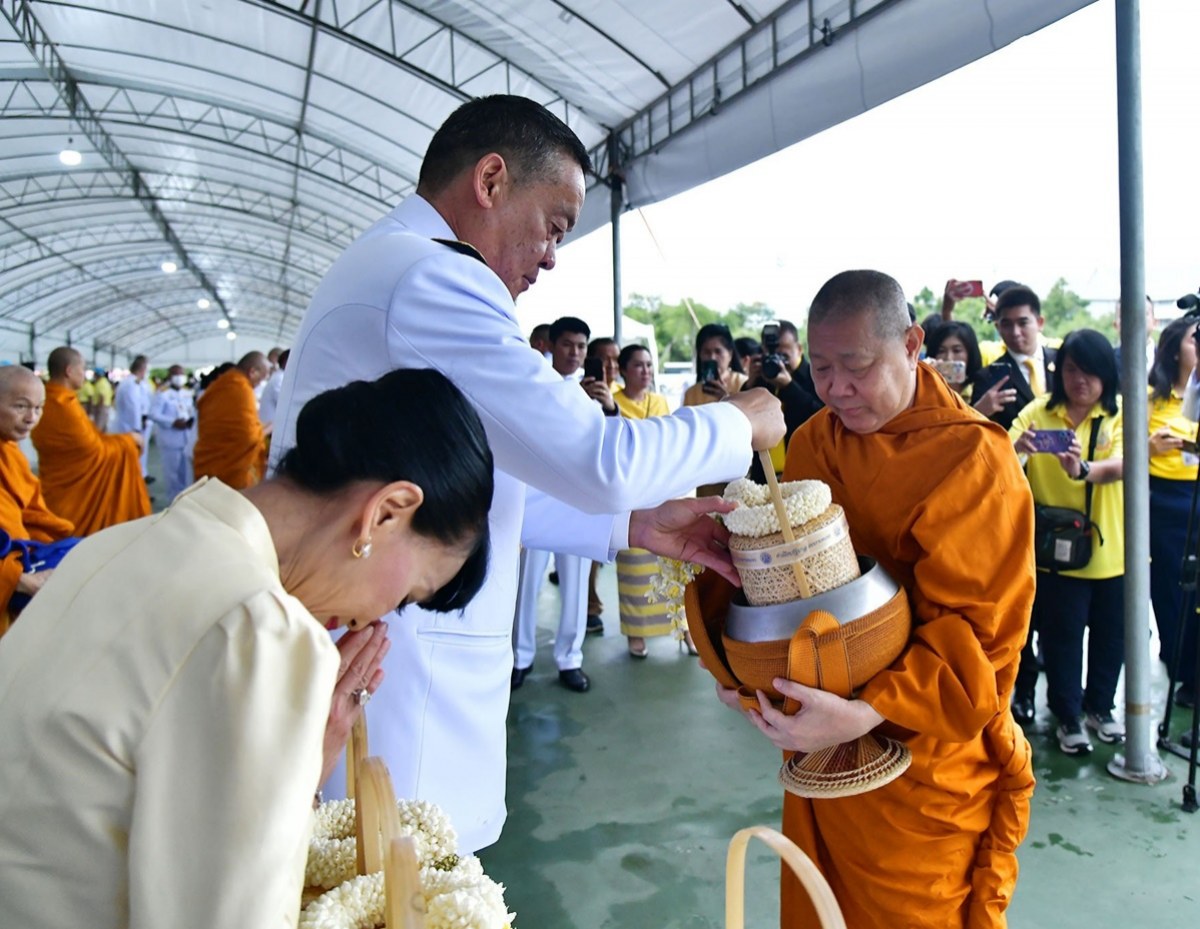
[765,567]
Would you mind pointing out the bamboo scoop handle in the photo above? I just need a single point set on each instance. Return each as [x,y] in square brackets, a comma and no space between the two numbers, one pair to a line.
[785,524]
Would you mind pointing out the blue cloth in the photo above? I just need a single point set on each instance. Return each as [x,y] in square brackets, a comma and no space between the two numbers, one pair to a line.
[1170,503]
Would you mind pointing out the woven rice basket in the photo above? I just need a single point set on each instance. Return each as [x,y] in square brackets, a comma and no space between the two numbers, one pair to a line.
[825,569]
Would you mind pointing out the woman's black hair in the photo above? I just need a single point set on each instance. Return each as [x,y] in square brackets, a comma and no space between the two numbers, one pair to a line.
[952,328]
[410,425]
[717,331]
[1164,372]
[627,354]
[747,347]
[1094,354]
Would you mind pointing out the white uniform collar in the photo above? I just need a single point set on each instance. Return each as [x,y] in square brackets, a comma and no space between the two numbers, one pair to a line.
[419,215]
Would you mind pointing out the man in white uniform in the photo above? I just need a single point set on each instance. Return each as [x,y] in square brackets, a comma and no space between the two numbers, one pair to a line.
[568,339]
[269,399]
[132,404]
[505,175]
[175,415]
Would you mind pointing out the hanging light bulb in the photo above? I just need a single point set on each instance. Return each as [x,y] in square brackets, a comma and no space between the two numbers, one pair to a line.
[231,335]
[169,267]
[222,324]
[70,156]
[204,303]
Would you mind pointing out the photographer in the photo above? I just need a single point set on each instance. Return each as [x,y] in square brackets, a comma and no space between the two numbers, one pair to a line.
[783,370]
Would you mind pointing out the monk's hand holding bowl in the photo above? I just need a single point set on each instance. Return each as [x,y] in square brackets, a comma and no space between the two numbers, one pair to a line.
[824,719]
[361,652]
[31,583]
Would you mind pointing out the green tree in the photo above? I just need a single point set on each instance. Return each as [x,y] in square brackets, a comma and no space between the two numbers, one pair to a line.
[675,329]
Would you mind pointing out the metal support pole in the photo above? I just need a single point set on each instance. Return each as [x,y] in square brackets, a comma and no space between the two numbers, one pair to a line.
[1140,761]
[616,184]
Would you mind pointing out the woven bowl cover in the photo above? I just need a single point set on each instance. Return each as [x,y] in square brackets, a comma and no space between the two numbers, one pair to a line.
[825,570]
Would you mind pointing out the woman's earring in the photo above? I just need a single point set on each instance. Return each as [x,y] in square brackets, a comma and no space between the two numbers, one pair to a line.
[361,548]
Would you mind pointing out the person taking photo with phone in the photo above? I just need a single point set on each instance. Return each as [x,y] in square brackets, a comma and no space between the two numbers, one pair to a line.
[1084,400]
[781,368]
[718,375]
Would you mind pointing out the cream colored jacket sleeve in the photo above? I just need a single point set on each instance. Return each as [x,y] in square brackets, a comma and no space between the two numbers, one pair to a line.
[226,774]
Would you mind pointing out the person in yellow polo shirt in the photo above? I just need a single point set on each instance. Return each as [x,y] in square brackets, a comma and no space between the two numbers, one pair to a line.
[1084,396]
[1172,479]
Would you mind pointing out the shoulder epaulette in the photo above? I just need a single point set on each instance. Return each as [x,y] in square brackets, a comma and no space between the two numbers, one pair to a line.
[463,248]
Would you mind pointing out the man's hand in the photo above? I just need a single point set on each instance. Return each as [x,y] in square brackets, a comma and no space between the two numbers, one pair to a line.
[780,380]
[682,529]
[137,439]
[1164,441]
[955,291]
[598,391]
[997,398]
[32,583]
[180,423]
[765,413]
[824,719]
[362,653]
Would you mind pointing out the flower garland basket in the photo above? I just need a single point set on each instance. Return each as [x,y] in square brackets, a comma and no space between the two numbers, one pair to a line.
[824,902]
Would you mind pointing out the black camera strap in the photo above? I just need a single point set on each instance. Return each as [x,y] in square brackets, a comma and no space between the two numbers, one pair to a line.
[1088,487]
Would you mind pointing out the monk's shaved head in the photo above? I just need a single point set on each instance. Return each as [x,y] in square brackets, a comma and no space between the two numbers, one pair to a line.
[251,361]
[863,293]
[18,379]
[62,358]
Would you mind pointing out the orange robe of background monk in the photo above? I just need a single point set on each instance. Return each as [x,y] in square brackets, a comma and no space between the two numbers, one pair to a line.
[23,514]
[230,440]
[94,480]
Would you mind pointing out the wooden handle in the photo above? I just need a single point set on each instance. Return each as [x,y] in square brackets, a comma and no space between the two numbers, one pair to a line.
[356,751]
[376,818]
[405,906]
[785,523]
[828,912]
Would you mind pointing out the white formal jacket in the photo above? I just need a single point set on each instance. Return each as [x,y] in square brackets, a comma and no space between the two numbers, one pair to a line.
[162,710]
[130,404]
[398,299]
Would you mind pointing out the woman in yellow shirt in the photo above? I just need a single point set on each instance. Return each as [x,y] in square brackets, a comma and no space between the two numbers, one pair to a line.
[1172,478]
[1084,396]
[718,374]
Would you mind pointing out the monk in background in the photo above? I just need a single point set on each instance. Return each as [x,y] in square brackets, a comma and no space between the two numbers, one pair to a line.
[23,511]
[231,440]
[934,492]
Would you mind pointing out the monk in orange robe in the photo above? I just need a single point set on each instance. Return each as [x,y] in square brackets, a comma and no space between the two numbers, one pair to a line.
[231,443]
[92,479]
[23,512]
[934,492]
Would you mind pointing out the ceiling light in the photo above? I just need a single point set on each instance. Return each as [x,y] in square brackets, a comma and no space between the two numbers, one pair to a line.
[70,156]
[204,303]
[169,267]
[222,324]
[231,335]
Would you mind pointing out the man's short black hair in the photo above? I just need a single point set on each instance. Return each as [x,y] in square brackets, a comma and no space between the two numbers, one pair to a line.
[1020,295]
[565,324]
[528,136]
[786,325]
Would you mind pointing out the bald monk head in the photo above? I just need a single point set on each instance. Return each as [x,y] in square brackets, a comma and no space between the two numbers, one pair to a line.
[255,366]
[22,395]
[863,349]
[65,367]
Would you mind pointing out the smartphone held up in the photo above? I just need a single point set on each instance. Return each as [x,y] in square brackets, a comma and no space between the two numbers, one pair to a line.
[1051,441]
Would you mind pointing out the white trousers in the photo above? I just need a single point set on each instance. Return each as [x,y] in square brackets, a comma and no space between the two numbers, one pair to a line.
[572,621]
[177,468]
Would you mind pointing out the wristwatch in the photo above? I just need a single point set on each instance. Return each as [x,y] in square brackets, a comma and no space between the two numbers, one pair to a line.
[1085,468]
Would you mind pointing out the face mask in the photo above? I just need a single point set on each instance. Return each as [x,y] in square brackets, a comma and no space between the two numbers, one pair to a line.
[177,380]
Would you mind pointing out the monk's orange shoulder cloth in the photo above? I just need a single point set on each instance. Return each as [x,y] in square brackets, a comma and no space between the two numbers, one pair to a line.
[23,515]
[229,437]
[93,480]
[937,496]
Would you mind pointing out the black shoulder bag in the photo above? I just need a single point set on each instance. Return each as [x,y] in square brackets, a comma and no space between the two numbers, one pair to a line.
[1062,537]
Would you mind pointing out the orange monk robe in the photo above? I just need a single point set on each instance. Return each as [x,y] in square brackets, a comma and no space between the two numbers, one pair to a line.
[229,438]
[23,515]
[92,479]
[938,498]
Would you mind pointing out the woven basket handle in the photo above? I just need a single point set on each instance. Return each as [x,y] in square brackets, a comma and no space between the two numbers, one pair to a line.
[382,848]
[828,912]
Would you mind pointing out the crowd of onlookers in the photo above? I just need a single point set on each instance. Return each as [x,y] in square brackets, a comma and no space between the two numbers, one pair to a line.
[1059,400]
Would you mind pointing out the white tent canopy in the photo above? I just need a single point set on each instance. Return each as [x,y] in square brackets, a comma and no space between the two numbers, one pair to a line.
[249,141]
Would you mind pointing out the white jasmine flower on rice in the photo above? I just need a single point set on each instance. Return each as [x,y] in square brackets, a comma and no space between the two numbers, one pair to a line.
[755,515]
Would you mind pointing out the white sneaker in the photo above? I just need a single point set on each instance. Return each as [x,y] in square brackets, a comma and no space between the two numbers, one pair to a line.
[1107,729]
[1072,739]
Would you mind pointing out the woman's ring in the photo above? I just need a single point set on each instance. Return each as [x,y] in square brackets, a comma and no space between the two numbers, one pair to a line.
[360,696]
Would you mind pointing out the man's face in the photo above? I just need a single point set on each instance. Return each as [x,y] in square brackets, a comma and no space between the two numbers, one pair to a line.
[790,349]
[525,225]
[569,351]
[1019,327]
[608,353]
[865,380]
[21,408]
[77,374]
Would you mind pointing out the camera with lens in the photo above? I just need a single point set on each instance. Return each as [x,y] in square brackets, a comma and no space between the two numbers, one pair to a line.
[773,363]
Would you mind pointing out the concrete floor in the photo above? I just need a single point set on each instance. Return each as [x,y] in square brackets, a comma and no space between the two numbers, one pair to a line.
[622,801]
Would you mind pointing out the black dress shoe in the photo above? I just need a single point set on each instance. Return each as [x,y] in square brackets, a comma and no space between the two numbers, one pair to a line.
[1023,710]
[518,677]
[595,625]
[575,680]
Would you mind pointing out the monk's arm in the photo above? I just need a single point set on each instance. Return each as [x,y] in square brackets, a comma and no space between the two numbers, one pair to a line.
[971,597]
